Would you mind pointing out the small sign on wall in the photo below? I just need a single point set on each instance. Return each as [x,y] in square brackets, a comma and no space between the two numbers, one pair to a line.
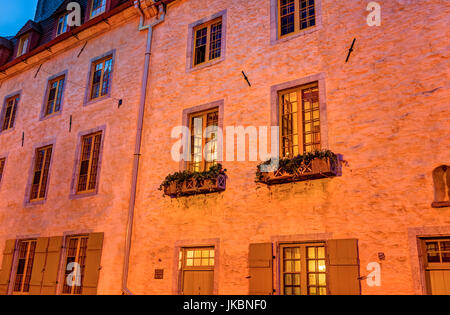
[159,274]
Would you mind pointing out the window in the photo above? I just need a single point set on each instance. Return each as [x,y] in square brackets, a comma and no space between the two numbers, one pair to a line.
[437,265]
[40,174]
[204,123]
[300,120]
[2,167]
[75,258]
[10,112]
[208,41]
[23,45]
[62,26]
[441,180]
[54,96]
[24,266]
[89,162]
[197,270]
[295,16]
[98,7]
[101,75]
[303,269]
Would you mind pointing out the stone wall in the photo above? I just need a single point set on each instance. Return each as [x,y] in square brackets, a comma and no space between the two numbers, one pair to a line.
[387,114]
[107,211]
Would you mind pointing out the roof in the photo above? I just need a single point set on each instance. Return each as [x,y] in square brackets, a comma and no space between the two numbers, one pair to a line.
[45,9]
[30,25]
[46,27]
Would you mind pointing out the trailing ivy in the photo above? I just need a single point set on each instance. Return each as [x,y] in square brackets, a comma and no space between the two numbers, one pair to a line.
[291,165]
[180,177]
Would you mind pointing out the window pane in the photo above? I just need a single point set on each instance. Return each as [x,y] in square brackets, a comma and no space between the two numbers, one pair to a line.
[200,45]
[307,14]
[98,6]
[215,41]
[287,16]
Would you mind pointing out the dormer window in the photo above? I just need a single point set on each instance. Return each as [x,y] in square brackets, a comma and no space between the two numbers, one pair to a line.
[98,7]
[62,25]
[24,42]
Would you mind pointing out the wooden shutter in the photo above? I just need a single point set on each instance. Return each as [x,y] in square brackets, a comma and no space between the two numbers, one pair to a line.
[93,260]
[343,267]
[260,262]
[198,282]
[5,272]
[50,276]
[438,282]
[37,273]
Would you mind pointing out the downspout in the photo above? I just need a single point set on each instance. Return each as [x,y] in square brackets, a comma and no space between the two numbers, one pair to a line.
[140,124]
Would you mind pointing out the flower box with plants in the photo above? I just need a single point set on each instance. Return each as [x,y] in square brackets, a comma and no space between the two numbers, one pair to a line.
[188,183]
[311,165]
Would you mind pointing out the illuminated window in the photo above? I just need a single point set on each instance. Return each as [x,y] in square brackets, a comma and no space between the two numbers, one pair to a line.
[197,270]
[10,112]
[303,269]
[89,162]
[25,261]
[54,96]
[23,45]
[62,25]
[100,80]
[295,15]
[208,42]
[75,264]
[41,171]
[437,265]
[438,251]
[98,7]
[201,124]
[299,121]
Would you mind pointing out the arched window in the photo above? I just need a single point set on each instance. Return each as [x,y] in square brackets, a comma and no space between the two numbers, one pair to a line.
[441,180]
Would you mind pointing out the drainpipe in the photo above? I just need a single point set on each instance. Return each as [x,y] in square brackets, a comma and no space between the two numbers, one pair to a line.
[137,150]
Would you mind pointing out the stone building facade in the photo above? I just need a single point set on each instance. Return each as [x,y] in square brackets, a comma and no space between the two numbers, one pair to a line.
[376,221]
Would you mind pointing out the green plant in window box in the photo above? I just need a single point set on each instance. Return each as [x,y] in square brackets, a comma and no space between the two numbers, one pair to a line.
[190,183]
[310,165]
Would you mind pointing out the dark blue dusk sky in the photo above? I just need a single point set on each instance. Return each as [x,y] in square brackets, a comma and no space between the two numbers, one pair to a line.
[14,14]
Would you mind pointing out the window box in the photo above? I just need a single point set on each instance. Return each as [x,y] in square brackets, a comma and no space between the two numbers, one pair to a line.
[194,183]
[302,168]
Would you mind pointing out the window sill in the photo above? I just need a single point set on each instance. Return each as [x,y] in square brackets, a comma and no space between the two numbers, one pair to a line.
[6,131]
[304,32]
[83,195]
[33,203]
[440,204]
[205,65]
[42,118]
[97,100]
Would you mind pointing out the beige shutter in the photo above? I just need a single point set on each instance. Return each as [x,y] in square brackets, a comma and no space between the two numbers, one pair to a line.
[5,272]
[93,260]
[260,262]
[37,273]
[343,266]
[50,276]
[198,282]
[438,282]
